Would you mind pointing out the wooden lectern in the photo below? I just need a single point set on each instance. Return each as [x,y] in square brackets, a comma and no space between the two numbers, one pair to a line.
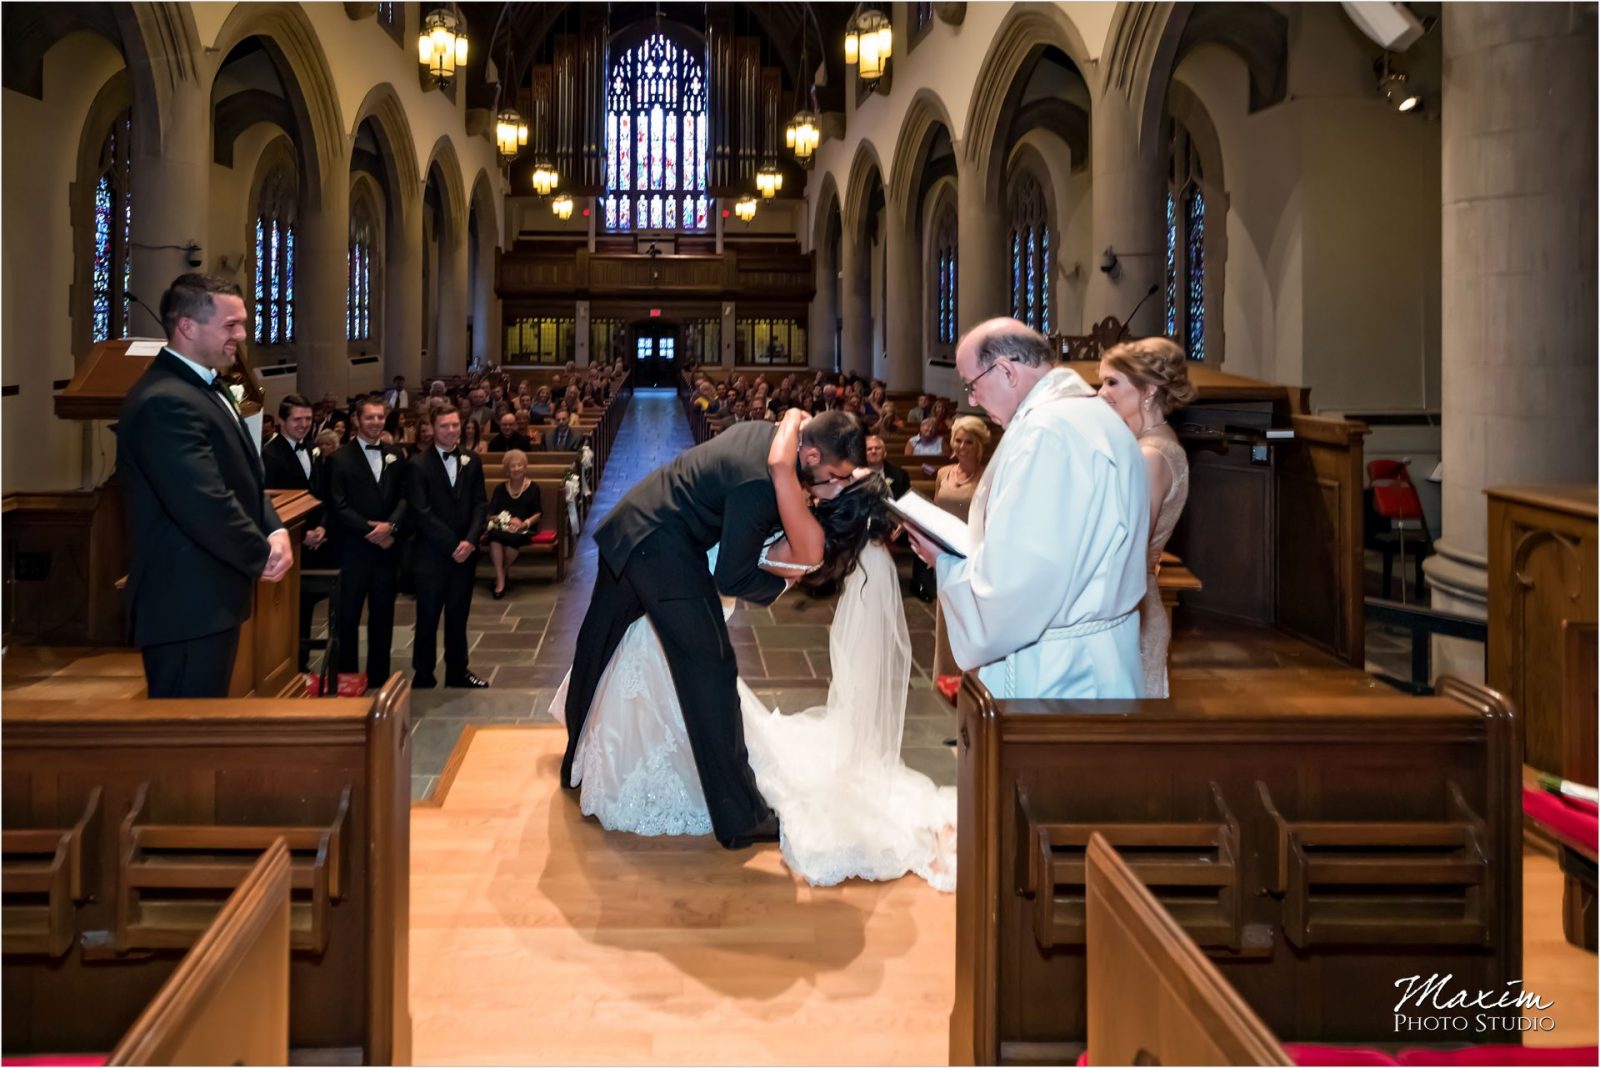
[66,551]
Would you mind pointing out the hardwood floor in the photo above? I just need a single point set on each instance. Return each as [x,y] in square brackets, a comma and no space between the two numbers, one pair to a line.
[538,938]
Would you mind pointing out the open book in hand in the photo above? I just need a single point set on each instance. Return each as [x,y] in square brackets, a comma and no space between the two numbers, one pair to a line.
[946,531]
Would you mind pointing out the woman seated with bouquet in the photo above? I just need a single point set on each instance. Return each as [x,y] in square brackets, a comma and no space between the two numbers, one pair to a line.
[513,517]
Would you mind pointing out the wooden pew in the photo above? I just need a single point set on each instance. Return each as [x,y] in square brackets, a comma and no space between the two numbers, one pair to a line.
[228,1000]
[1316,847]
[1153,996]
[553,516]
[161,808]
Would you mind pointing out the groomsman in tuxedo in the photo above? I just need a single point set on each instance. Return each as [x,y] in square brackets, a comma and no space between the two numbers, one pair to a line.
[292,462]
[366,506]
[201,528]
[444,491]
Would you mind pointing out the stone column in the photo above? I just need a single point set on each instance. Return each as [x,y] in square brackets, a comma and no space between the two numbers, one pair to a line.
[171,161]
[903,300]
[580,341]
[824,307]
[486,340]
[981,271]
[855,298]
[322,284]
[1518,343]
[1128,198]
[730,343]
[450,329]
[402,305]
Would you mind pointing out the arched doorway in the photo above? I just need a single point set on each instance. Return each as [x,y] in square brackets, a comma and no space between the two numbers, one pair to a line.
[656,352]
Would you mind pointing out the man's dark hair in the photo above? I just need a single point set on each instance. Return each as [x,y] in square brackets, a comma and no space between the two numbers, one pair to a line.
[839,435]
[1016,342]
[290,403]
[192,296]
[369,400]
[442,410]
[399,378]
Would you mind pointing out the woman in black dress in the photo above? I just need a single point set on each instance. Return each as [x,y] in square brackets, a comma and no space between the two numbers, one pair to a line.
[513,517]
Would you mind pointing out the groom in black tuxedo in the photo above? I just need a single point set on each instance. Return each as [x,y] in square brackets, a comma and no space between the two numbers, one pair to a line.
[201,528]
[653,549]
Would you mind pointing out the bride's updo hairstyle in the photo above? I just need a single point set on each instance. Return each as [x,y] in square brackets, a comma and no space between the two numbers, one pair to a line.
[848,522]
[1159,362]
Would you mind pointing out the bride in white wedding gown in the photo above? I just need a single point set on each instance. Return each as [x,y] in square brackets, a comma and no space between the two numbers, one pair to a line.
[847,805]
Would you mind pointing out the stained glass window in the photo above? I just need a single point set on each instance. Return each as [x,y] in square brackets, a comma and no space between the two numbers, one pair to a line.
[1185,280]
[358,294]
[1031,263]
[386,14]
[275,259]
[111,265]
[656,139]
[944,277]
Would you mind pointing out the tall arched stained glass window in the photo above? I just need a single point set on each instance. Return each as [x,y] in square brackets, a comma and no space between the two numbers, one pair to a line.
[1185,279]
[358,293]
[656,139]
[111,272]
[944,277]
[1030,254]
[274,252]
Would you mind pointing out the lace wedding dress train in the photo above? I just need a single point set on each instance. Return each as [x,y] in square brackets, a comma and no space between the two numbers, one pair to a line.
[847,806]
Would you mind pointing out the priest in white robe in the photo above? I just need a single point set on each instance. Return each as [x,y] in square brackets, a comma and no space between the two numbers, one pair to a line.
[1047,604]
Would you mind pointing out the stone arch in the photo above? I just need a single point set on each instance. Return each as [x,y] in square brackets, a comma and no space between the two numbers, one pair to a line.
[941,198]
[825,200]
[302,66]
[1026,30]
[393,133]
[1147,41]
[864,168]
[484,202]
[114,97]
[443,156]
[483,318]
[917,129]
[1186,107]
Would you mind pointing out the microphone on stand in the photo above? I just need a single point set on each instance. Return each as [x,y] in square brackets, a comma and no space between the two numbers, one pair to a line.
[147,311]
[1148,294]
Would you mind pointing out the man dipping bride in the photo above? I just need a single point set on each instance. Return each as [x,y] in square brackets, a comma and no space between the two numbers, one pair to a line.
[664,738]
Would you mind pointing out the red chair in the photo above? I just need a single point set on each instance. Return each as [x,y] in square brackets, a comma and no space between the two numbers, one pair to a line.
[1395,502]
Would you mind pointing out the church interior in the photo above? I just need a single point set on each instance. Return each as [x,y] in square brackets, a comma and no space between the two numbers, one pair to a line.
[1360,827]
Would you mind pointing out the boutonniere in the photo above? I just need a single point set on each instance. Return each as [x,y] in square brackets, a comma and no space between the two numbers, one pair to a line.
[315,452]
[464,459]
[236,391]
[388,458]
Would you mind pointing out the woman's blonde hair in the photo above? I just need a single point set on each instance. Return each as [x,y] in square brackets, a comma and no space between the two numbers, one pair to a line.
[1159,362]
[505,459]
[974,426]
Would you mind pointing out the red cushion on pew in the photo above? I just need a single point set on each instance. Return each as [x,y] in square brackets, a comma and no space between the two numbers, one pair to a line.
[1491,1055]
[949,685]
[1314,1056]
[56,1058]
[545,537]
[1569,821]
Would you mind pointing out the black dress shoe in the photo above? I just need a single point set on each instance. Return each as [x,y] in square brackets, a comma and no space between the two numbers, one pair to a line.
[497,594]
[765,831]
[469,681]
[423,682]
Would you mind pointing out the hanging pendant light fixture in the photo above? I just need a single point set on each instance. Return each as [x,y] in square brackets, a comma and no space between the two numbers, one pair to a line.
[562,206]
[745,208]
[545,177]
[442,45]
[510,134]
[803,134]
[868,41]
[769,180]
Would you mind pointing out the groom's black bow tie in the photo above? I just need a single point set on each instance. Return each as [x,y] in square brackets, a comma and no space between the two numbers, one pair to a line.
[301,446]
[375,448]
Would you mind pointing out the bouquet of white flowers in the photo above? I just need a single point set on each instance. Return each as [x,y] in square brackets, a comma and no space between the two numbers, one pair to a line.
[501,521]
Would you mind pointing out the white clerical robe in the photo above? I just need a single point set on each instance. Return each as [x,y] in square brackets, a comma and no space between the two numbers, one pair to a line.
[1047,604]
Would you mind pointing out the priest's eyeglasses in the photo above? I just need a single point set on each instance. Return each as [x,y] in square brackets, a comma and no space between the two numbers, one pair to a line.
[970,386]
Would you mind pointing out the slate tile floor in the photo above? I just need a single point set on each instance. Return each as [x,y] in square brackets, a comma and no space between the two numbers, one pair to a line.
[523,644]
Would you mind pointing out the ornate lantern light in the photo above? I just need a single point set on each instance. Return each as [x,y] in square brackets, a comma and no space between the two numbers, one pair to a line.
[867,44]
[803,134]
[510,134]
[562,206]
[442,45]
[545,177]
[769,180]
[745,208]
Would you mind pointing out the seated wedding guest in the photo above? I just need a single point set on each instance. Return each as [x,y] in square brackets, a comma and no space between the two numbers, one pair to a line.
[558,388]
[852,404]
[471,440]
[561,437]
[872,407]
[446,511]
[1045,604]
[541,407]
[269,427]
[953,490]
[923,409]
[941,417]
[1144,381]
[878,459]
[513,517]
[888,422]
[396,396]
[509,437]
[927,442]
[741,411]
[525,423]
[422,439]
[481,413]
[572,403]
